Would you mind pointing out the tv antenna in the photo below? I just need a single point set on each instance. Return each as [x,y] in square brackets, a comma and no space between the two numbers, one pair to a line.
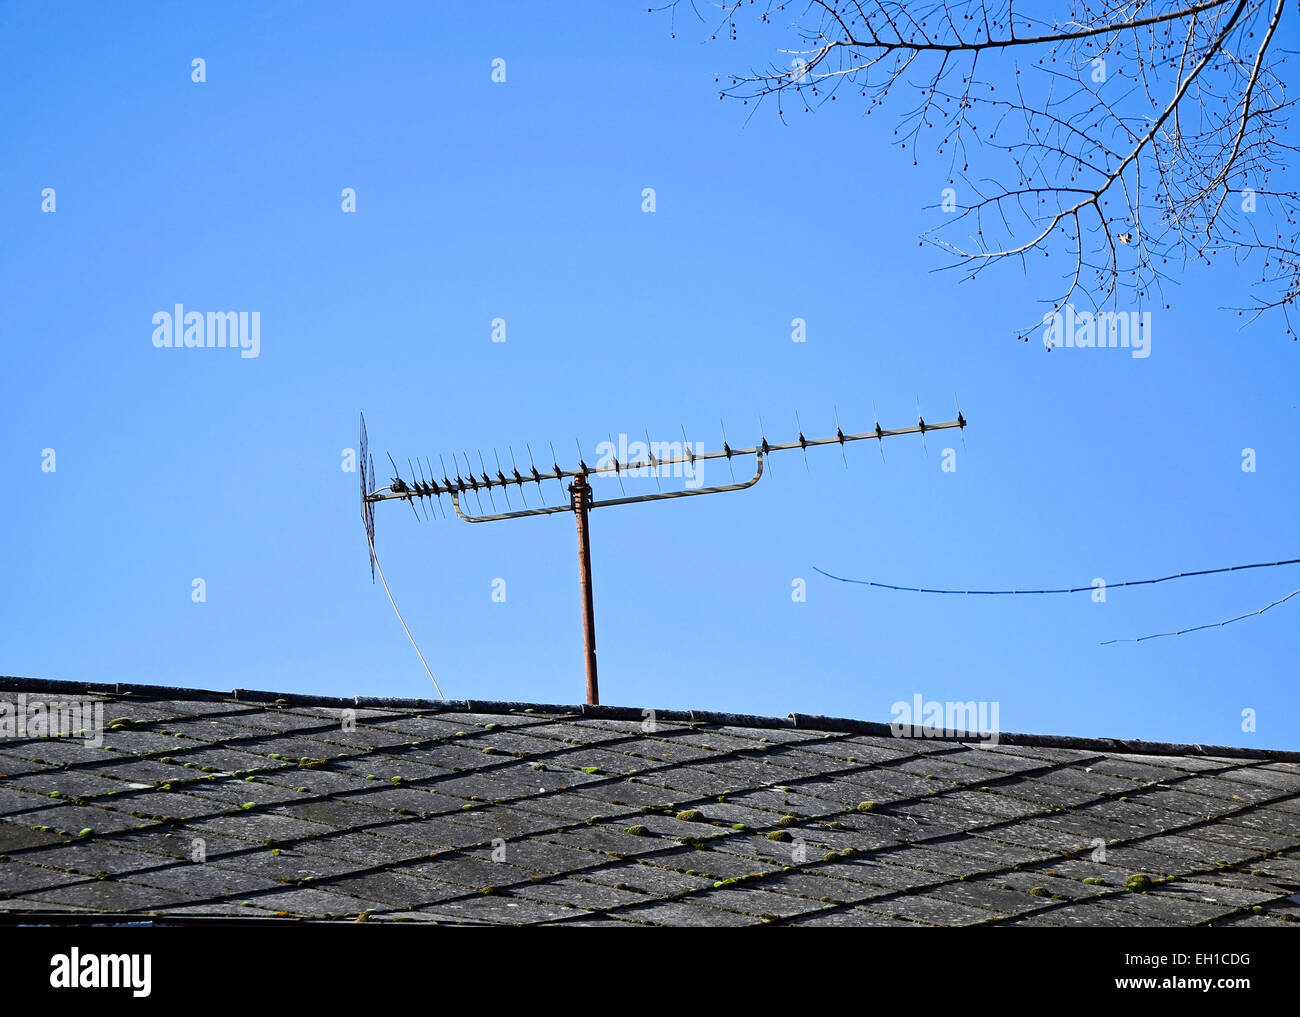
[657,457]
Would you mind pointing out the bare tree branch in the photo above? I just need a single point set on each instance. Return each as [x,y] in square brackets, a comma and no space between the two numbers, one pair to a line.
[1139,134]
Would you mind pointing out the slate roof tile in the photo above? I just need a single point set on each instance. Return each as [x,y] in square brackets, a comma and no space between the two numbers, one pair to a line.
[857,917]
[682,914]
[759,902]
[987,894]
[91,859]
[930,910]
[506,908]
[21,878]
[987,848]
[111,895]
[647,877]
[1092,915]
[289,866]
[1256,921]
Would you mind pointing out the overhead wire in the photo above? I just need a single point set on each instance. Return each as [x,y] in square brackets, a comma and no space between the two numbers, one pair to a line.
[1092,586]
[1072,589]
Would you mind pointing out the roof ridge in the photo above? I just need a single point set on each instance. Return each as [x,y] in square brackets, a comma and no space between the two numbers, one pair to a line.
[793,721]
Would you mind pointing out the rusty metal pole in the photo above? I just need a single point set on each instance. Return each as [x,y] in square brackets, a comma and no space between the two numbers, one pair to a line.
[581,493]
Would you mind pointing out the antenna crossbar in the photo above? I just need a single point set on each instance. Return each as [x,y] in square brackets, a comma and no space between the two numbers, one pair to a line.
[401,489]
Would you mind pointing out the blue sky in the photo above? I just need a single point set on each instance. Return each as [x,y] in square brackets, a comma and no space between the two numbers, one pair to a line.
[522,200]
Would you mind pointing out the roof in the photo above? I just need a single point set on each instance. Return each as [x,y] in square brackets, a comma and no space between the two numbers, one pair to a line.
[242,804]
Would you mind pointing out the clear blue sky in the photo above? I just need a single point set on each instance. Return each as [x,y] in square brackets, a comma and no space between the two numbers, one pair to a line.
[522,200]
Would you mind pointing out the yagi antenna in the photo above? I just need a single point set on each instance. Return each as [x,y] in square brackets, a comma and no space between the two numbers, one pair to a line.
[659,456]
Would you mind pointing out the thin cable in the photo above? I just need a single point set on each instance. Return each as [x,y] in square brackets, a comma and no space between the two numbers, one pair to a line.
[401,619]
[1198,628]
[1073,589]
